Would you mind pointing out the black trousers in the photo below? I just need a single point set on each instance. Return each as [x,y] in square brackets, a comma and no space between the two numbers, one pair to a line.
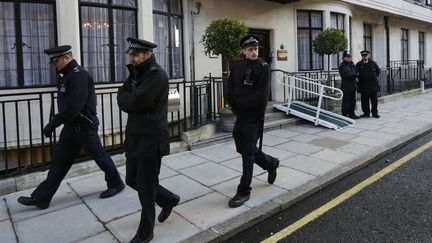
[69,145]
[246,133]
[373,97]
[348,103]
[142,174]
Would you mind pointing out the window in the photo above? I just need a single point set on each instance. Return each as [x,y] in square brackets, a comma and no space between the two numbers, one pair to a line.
[367,38]
[105,25]
[168,32]
[337,22]
[28,28]
[309,25]
[422,46]
[404,45]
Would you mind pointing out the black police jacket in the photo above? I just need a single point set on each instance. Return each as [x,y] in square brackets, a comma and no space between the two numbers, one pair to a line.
[144,96]
[248,88]
[75,95]
[349,73]
[368,76]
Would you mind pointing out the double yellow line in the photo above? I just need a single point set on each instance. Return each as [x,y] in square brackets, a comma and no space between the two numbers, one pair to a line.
[351,192]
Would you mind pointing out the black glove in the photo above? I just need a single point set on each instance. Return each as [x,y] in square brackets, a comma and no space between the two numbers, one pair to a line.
[48,129]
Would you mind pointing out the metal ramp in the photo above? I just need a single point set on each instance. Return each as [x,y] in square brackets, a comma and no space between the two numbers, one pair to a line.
[317,115]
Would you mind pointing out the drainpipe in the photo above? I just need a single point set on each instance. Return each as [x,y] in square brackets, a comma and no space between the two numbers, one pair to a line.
[192,38]
[387,29]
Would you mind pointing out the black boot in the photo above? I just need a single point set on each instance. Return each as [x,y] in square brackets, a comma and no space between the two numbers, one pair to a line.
[29,201]
[272,173]
[166,211]
[238,200]
[111,191]
[137,239]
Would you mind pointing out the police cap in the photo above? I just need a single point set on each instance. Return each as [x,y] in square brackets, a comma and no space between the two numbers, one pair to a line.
[139,45]
[57,51]
[249,40]
[364,52]
[346,54]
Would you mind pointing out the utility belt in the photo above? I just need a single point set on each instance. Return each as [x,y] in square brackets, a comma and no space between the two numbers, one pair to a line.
[83,120]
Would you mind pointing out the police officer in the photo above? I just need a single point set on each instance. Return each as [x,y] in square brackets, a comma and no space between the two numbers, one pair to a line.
[248,88]
[144,96]
[349,73]
[76,101]
[368,84]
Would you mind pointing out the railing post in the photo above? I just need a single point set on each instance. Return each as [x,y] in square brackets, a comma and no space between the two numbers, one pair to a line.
[321,91]
[291,86]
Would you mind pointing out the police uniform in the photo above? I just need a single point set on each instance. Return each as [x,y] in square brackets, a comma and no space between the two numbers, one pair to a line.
[349,73]
[76,101]
[144,96]
[248,89]
[368,85]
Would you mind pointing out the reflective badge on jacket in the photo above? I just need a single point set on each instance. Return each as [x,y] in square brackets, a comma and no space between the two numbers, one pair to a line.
[62,88]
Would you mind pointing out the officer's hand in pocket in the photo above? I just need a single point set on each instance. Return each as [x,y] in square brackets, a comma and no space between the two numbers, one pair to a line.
[48,130]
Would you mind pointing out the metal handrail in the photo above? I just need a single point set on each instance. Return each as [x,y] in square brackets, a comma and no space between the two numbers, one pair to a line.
[305,83]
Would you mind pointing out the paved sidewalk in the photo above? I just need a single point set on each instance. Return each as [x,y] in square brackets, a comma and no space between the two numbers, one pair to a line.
[205,179]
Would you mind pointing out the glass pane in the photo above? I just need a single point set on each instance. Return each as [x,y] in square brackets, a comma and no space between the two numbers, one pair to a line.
[8,62]
[176,47]
[303,47]
[94,1]
[367,30]
[95,42]
[160,5]
[124,26]
[176,7]
[128,3]
[37,23]
[302,19]
[334,21]
[161,38]
[317,60]
[316,19]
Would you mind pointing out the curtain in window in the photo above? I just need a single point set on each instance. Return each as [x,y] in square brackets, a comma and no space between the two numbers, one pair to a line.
[337,22]
[161,38]
[421,46]
[37,26]
[309,24]
[124,26]
[404,44]
[95,42]
[367,38]
[8,61]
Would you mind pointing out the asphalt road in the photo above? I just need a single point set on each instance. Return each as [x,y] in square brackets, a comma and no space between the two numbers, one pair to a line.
[396,208]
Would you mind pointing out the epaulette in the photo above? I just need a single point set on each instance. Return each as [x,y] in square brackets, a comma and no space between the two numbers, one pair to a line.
[76,69]
[154,68]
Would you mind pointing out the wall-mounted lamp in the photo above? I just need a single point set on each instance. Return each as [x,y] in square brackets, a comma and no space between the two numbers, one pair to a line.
[198,7]
[282,47]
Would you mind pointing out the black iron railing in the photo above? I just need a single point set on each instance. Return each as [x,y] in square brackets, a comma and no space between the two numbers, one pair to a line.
[23,115]
[427,78]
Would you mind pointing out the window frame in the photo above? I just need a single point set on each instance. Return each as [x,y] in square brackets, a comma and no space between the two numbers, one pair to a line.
[310,29]
[422,46]
[18,39]
[338,56]
[368,38]
[170,14]
[404,41]
[110,8]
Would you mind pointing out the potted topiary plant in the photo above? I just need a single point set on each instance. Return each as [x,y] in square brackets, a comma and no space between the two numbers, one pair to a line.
[222,37]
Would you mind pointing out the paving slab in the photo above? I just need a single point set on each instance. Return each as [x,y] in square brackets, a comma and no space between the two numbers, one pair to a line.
[174,229]
[126,202]
[368,126]
[182,185]
[64,198]
[352,130]
[262,192]
[337,157]
[217,153]
[331,143]
[70,224]
[355,148]
[399,131]
[210,173]
[305,138]
[271,140]
[313,166]
[3,211]
[104,237]
[339,134]
[288,178]
[166,172]
[380,135]
[209,210]
[278,153]
[284,133]
[308,128]
[230,145]
[369,141]
[299,148]
[88,184]
[7,233]
[237,165]
[182,160]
